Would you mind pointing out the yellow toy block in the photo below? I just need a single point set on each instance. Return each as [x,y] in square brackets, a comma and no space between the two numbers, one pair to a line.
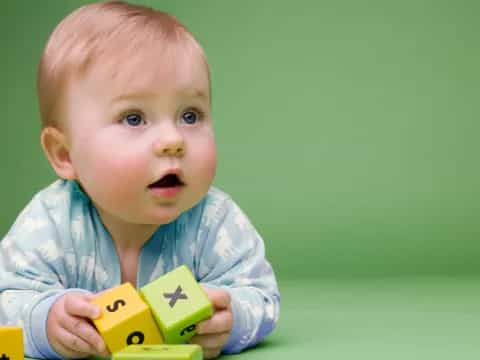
[11,343]
[126,319]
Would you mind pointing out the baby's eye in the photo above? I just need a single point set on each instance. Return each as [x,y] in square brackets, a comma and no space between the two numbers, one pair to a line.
[190,117]
[133,119]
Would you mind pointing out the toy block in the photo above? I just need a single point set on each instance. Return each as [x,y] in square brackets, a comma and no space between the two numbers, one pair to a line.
[126,319]
[178,303]
[160,352]
[11,343]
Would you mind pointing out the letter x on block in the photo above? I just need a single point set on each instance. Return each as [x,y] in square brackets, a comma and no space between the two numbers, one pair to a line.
[178,303]
[175,296]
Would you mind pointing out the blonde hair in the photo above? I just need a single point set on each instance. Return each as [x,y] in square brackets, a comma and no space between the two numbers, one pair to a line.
[107,32]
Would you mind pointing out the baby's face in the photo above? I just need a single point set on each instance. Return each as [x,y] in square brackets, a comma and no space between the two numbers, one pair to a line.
[141,140]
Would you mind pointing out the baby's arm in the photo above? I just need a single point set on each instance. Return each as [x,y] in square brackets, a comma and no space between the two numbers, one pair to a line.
[34,276]
[233,259]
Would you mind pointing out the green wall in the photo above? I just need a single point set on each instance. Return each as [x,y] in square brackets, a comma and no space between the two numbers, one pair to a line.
[347,130]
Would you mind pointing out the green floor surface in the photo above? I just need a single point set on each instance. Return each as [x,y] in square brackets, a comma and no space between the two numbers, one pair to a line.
[406,318]
[391,318]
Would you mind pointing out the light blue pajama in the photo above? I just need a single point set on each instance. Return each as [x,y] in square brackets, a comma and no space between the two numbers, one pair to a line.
[59,244]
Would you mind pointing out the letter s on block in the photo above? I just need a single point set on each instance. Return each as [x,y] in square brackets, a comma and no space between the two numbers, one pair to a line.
[116,305]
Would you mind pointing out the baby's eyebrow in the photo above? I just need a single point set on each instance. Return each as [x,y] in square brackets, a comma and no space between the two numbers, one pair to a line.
[196,93]
[132,96]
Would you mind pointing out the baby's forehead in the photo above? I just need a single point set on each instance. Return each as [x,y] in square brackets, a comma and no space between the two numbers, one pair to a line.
[136,71]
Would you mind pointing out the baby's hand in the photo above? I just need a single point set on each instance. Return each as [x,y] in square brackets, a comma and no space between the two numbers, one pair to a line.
[69,329]
[213,333]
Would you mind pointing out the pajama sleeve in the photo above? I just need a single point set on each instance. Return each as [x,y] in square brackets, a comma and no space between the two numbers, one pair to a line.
[32,276]
[232,257]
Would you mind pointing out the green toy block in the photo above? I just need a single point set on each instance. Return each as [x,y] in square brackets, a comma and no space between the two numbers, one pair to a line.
[178,303]
[159,352]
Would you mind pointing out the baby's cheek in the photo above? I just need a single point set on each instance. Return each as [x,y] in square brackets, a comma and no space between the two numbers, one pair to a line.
[129,167]
[210,166]
[119,175]
[209,160]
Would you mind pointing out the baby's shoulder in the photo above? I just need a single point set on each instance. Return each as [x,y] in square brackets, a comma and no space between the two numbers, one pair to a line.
[60,194]
[218,207]
[215,201]
[47,214]
[209,210]
[215,196]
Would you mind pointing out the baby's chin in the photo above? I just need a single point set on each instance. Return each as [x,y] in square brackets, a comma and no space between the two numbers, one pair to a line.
[166,213]
[167,216]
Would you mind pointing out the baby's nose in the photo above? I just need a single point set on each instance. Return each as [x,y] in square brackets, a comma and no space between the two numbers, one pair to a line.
[170,143]
[173,150]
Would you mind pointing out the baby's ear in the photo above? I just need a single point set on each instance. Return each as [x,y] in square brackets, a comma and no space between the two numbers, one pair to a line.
[55,145]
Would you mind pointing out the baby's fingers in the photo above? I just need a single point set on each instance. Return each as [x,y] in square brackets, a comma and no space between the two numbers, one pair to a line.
[71,345]
[68,353]
[85,332]
[211,354]
[220,298]
[211,342]
[80,305]
[221,321]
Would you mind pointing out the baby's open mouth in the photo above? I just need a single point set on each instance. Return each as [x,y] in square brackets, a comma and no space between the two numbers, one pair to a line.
[169,180]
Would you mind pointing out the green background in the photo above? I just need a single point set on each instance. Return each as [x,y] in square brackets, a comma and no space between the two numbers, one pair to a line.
[348,131]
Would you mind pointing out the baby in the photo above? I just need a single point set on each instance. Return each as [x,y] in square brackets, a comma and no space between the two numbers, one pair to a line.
[124,94]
